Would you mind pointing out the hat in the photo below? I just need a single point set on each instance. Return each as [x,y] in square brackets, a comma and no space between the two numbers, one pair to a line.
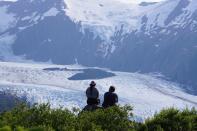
[111,89]
[92,83]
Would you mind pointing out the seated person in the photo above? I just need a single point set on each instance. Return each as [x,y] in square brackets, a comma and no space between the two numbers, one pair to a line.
[110,98]
[92,94]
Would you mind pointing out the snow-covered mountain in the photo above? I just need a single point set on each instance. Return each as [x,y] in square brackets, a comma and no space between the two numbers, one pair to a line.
[61,86]
[121,35]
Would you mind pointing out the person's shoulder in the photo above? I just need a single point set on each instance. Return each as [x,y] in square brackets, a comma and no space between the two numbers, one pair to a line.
[88,89]
[106,93]
[115,94]
[96,88]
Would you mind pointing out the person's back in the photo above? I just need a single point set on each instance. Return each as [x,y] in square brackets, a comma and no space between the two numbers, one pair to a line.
[110,98]
[92,94]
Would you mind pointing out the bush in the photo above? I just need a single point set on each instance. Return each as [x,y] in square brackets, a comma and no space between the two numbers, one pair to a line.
[172,120]
[111,119]
[6,128]
[37,115]
[43,118]
[41,128]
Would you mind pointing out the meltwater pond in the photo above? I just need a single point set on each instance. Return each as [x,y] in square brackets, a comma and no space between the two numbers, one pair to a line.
[88,74]
[85,74]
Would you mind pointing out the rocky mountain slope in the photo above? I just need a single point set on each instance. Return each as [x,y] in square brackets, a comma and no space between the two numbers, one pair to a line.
[144,37]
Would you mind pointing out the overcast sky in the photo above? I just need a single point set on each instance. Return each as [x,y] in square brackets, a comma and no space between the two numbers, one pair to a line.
[124,1]
[134,1]
[148,0]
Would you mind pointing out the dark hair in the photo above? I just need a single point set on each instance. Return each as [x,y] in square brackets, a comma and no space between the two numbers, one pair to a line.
[92,85]
[111,89]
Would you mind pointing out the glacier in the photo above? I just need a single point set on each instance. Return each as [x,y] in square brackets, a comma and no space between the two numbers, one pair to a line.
[145,92]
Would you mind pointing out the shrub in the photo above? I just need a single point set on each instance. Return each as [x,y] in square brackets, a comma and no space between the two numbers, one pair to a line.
[111,119]
[6,128]
[173,120]
[41,128]
[43,118]
[37,115]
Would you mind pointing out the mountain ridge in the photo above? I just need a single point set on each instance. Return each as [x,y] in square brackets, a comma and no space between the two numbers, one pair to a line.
[160,37]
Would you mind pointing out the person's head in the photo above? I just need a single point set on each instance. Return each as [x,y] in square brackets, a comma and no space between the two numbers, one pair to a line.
[111,89]
[92,84]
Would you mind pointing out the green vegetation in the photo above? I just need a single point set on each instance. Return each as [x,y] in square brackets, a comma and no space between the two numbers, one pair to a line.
[43,118]
[172,120]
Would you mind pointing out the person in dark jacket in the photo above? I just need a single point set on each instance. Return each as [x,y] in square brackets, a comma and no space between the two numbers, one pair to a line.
[92,94]
[110,98]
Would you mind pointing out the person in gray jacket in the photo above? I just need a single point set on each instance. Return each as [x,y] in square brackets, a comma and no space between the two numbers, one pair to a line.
[92,94]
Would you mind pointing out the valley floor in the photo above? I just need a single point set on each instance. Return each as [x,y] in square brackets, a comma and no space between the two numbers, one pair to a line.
[41,83]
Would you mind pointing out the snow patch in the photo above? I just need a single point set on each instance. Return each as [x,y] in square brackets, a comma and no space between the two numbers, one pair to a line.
[158,14]
[104,17]
[8,19]
[6,41]
[52,12]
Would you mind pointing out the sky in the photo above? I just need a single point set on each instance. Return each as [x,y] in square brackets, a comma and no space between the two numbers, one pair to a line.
[8,0]
[128,1]
[148,0]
